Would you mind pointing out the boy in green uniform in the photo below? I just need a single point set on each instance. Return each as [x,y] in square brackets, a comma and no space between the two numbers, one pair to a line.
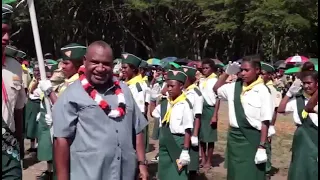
[250,112]
[266,72]
[175,129]
[195,97]
[137,86]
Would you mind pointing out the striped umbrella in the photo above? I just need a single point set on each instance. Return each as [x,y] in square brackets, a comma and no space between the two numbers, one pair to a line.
[296,59]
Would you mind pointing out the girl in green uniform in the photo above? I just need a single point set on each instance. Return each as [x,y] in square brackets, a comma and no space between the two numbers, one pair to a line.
[175,130]
[208,129]
[32,110]
[304,160]
[250,112]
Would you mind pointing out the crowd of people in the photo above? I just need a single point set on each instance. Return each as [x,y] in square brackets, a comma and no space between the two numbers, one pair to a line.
[97,124]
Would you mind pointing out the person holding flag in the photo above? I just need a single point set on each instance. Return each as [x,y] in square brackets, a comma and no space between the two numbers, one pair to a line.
[72,59]
[175,129]
[13,102]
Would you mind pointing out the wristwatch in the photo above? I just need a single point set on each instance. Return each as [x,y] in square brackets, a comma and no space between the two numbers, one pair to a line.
[145,162]
[263,145]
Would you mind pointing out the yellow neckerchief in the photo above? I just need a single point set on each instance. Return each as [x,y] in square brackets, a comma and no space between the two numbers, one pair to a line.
[67,82]
[134,80]
[192,86]
[204,84]
[304,113]
[24,67]
[145,78]
[249,87]
[167,116]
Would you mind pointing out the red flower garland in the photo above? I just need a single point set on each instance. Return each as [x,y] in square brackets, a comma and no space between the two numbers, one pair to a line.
[119,111]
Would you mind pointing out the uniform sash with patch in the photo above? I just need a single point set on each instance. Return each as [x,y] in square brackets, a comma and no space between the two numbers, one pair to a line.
[11,166]
[304,163]
[242,145]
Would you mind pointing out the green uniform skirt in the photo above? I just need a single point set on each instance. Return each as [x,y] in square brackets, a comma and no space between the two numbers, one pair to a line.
[31,112]
[44,140]
[207,133]
[166,168]
[304,165]
[240,157]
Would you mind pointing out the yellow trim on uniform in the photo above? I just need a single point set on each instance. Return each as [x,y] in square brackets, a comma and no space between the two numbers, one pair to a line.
[135,80]
[67,82]
[192,86]
[304,113]
[181,98]
[204,84]
[249,87]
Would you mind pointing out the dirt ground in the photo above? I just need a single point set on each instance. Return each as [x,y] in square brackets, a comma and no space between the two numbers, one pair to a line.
[281,155]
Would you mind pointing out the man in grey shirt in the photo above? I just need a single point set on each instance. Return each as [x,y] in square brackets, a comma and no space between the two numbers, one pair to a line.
[91,144]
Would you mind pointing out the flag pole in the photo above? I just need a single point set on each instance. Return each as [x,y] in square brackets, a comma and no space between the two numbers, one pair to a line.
[37,43]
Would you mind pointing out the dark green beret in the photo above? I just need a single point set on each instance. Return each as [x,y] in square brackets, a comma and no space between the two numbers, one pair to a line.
[7,11]
[143,64]
[11,51]
[73,51]
[190,71]
[177,75]
[267,67]
[21,54]
[128,58]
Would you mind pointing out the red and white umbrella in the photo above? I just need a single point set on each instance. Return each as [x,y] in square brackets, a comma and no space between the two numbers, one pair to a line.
[296,59]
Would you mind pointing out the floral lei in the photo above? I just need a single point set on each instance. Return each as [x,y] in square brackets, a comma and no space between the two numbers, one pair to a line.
[93,93]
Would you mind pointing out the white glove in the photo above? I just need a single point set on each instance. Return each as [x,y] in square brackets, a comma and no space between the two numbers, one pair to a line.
[261,156]
[184,157]
[271,131]
[45,86]
[232,68]
[194,141]
[48,119]
[294,88]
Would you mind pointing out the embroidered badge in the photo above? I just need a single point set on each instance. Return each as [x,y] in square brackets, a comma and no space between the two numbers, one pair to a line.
[68,53]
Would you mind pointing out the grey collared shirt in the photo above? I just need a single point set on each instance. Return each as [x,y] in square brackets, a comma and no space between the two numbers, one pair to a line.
[102,148]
